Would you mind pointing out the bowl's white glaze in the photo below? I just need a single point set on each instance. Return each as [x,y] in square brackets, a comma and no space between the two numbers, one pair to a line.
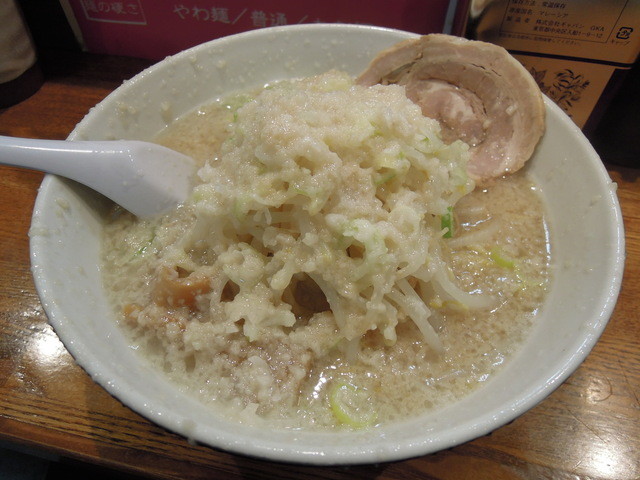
[588,246]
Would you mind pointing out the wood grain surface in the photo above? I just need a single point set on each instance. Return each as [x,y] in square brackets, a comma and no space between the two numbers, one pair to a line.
[589,428]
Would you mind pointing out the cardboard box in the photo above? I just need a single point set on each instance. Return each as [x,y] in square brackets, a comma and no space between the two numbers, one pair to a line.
[577,50]
[154,29]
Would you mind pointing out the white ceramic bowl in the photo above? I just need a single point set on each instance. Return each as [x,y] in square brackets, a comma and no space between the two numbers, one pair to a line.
[588,245]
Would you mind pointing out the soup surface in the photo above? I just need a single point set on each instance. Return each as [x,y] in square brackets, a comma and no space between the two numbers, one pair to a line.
[334,267]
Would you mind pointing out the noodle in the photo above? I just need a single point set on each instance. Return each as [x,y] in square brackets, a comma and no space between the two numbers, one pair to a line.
[311,254]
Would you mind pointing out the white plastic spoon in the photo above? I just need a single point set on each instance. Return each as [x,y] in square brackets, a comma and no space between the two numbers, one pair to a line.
[144,178]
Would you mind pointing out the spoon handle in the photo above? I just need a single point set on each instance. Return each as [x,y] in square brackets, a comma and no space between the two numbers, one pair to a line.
[142,177]
[76,160]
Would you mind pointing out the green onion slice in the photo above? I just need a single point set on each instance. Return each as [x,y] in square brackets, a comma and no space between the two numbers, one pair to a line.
[446,221]
[351,405]
[500,259]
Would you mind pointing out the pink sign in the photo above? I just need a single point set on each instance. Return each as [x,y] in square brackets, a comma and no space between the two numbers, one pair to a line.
[156,28]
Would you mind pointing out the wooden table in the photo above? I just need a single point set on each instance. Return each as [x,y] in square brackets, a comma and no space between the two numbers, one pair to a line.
[588,428]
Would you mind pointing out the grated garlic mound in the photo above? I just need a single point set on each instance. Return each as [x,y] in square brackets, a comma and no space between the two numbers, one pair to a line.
[345,184]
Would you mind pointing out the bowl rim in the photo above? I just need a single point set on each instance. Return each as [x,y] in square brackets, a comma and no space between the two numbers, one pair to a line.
[327,456]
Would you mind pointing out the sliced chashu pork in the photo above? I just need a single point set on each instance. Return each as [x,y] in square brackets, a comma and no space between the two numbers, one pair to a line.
[479,93]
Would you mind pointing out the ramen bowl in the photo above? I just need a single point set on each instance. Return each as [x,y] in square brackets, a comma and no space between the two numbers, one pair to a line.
[587,244]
